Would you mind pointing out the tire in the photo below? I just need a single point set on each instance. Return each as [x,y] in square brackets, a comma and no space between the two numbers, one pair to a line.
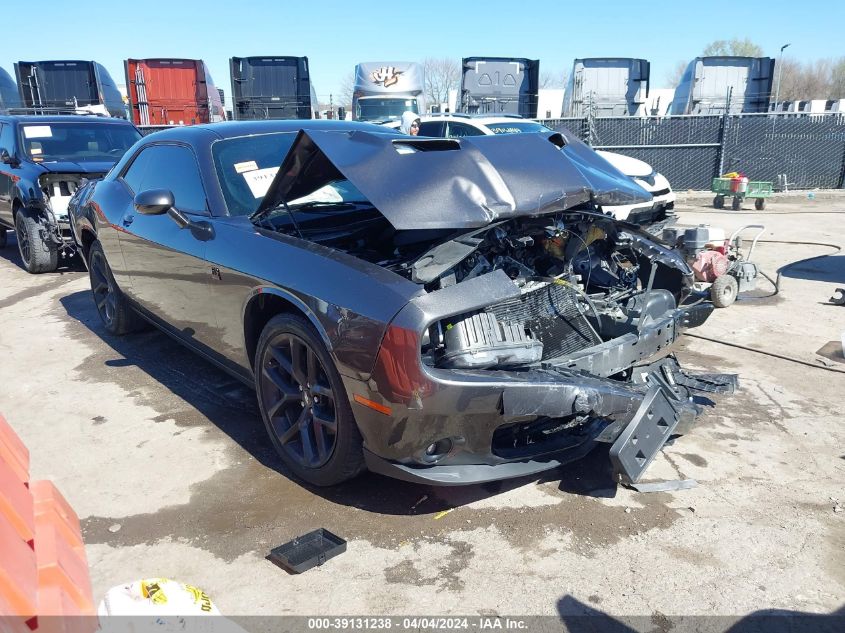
[719,202]
[304,405]
[38,255]
[4,238]
[760,204]
[112,305]
[723,291]
[736,205]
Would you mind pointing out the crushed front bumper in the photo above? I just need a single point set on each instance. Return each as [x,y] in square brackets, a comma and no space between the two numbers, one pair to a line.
[636,417]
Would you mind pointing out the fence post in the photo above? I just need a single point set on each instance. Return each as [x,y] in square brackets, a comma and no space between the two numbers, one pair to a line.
[722,128]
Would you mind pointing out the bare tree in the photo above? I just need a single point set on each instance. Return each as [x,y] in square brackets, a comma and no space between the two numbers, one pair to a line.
[553,79]
[788,73]
[673,77]
[441,75]
[837,79]
[347,87]
[741,47]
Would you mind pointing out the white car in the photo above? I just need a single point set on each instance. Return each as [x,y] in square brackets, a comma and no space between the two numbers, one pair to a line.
[663,198]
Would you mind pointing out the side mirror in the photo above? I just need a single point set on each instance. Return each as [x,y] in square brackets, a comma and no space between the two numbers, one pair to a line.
[4,156]
[154,201]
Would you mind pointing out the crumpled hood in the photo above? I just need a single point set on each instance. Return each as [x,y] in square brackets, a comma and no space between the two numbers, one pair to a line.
[72,167]
[419,183]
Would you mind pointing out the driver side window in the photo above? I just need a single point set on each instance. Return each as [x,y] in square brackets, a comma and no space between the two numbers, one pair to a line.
[170,167]
[7,138]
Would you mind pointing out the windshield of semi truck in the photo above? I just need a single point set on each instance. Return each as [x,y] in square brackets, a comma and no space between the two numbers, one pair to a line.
[71,141]
[518,127]
[384,109]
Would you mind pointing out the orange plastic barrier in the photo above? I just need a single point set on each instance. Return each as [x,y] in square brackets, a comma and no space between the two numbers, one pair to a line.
[18,573]
[49,501]
[13,451]
[61,565]
[44,575]
[16,504]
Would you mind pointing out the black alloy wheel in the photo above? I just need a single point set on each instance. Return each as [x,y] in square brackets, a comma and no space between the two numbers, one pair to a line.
[304,404]
[24,245]
[112,306]
[299,401]
[103,288]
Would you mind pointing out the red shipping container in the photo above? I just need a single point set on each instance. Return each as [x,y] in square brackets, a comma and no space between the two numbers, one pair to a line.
[172,92]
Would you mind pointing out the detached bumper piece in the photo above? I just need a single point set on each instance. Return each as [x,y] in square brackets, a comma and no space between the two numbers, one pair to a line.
[665,410]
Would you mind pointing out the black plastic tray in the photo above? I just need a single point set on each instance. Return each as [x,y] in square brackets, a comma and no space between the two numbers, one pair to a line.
[307,551]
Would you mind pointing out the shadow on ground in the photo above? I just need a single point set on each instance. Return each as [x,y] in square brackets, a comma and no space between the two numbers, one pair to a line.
[231,407]
[829,269]
[578,617]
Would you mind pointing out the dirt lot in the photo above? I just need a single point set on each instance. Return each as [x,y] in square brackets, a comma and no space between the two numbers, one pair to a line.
[166,462]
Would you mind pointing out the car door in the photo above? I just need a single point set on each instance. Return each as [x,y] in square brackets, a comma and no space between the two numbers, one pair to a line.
[165,263]
[7,142]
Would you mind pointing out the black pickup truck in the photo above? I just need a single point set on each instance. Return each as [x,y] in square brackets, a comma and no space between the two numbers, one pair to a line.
[43,160]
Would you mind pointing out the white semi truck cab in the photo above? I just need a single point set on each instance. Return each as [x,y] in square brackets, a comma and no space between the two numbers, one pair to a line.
[384,90]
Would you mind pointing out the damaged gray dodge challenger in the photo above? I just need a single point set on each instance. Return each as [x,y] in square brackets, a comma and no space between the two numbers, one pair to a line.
[447,311]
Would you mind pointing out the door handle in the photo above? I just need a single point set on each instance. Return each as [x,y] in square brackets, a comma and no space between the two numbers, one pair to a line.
[128,219]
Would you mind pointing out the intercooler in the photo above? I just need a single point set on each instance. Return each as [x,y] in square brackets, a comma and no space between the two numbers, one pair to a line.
[551,314]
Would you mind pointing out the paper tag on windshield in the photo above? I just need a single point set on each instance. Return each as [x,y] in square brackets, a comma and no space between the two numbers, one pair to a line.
[259,180]
[249,165]
[34,150]
[37,131]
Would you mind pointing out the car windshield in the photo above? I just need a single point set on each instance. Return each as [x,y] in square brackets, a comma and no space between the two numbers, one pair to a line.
[385,109]
[79,142]
[518,127]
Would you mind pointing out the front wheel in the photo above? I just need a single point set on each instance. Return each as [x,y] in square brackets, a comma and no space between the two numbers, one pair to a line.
[304,404]
[4,237]
[719,202]
[736,205]
[760,204]
[112,305]
[39,255]
[723,291]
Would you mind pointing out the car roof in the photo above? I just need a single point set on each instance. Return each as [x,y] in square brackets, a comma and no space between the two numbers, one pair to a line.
[481,119]
[63,118]
[234,129]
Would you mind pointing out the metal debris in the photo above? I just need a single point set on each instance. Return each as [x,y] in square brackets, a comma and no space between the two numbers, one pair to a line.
[665,486]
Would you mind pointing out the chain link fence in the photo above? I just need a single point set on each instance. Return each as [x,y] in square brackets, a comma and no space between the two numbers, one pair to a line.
[803,151]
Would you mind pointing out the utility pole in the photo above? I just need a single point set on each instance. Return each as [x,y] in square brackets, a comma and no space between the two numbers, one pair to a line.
[780,74]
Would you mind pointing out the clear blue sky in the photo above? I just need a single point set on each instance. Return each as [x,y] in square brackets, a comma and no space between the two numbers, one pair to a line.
[337,35]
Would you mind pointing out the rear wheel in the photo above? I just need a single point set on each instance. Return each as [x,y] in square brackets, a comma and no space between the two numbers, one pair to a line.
[736,205]
[304,404]
[723,291]
[112,305]
[719,202]
[39,255]
[760,204]
[3,237]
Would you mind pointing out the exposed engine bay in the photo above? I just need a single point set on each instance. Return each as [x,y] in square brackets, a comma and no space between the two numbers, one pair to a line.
[583,279]
[57,191]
